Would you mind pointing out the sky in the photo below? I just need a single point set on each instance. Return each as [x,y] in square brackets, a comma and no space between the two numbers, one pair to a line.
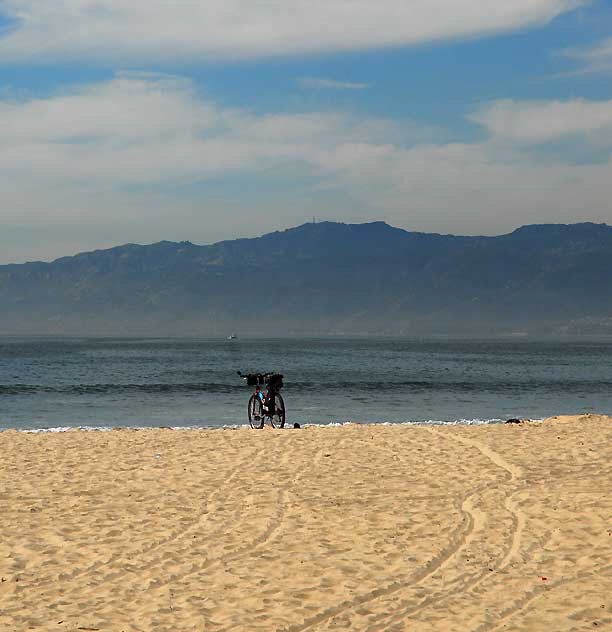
[203,120]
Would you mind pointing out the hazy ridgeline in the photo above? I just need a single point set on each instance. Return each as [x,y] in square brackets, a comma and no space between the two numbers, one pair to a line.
[324,278]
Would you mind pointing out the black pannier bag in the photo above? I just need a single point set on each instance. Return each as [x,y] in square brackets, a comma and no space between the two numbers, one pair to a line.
[254,379]
[276,380]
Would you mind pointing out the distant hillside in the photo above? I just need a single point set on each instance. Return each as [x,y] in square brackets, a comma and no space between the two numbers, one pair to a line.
[324,278]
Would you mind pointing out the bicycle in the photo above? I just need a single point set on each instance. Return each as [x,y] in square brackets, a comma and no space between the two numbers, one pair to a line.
[269,404]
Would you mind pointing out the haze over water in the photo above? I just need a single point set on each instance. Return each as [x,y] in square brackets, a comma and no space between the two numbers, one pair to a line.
[70,382]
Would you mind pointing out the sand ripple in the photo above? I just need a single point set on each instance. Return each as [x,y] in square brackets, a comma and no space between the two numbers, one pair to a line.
[368,528]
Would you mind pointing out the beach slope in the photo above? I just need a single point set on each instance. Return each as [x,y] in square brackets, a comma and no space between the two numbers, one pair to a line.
[368,528]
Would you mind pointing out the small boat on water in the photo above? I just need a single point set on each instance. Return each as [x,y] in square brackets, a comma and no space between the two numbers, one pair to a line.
[232,337]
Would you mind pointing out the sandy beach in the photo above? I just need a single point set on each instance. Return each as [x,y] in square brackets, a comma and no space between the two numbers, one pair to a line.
[368,528]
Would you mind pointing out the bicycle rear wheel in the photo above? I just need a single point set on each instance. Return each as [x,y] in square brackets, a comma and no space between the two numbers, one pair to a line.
[255,411]
[278,418]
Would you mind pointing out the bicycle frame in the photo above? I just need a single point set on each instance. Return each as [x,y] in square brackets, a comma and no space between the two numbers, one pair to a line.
[268,399]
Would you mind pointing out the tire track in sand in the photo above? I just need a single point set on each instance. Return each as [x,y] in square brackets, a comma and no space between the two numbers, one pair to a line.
[522,604]
[475,521]
[390,588]
[251,547]
[518,524]
[196,524]
[472,521]
[516,473]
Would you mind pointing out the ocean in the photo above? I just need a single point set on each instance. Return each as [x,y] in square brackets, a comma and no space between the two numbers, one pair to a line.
[58,383]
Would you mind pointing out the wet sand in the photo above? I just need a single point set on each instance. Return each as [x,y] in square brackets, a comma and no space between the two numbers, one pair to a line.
[367,528]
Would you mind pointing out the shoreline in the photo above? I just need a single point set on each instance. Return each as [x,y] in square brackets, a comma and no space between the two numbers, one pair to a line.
[365,527]
[289,426]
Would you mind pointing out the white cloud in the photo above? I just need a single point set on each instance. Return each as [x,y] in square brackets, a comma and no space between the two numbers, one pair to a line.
[181,29]
[138,131]
[597,58]
[112,110]
[90,154]
[465,189]
[318,82]
[144,158]
[535,122]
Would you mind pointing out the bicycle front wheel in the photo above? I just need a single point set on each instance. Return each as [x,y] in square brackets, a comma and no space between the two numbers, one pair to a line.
[255,411]
[278,418]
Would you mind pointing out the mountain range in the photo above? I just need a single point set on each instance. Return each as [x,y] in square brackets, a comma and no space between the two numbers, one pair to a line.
[324,278]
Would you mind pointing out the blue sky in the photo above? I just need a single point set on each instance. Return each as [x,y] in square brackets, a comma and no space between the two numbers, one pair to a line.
[208,120]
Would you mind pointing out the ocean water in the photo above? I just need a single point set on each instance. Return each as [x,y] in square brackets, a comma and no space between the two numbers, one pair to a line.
[49,383]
